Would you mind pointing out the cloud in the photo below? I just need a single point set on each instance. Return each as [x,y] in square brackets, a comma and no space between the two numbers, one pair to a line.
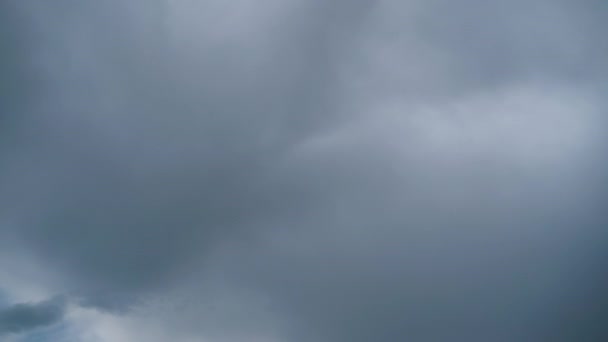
[304,170]
[24,317]
[448,230]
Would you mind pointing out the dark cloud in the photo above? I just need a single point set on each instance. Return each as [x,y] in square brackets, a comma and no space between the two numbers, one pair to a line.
[129,161]
[393,170]
[24,317]
[124,186]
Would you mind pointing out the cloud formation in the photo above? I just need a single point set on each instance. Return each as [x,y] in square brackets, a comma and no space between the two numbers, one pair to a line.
[23,317]
[305,171]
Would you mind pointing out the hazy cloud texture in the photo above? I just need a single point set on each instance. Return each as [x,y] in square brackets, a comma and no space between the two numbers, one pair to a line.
[290,170]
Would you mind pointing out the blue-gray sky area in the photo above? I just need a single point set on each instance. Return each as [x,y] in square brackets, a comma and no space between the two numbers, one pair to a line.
[303,170]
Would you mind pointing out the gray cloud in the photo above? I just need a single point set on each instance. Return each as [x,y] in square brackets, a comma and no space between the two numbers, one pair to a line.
[419,170]
[24,317]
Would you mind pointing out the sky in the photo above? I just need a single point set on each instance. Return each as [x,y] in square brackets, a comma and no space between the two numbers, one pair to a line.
[303,170]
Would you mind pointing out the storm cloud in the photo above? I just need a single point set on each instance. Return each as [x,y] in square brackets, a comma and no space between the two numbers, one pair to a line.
[27,316]
[290,170]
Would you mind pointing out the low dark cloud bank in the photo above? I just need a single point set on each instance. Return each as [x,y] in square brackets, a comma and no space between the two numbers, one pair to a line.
[23,317]
[325,170]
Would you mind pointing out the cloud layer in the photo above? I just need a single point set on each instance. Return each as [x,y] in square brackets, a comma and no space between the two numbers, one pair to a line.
[304,171]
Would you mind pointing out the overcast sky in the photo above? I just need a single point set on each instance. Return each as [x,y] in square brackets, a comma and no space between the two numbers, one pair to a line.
[303,170]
